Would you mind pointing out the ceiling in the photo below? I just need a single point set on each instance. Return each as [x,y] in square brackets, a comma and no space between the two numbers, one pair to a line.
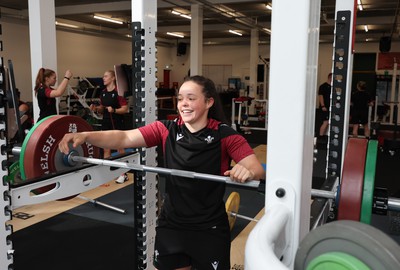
[219,16]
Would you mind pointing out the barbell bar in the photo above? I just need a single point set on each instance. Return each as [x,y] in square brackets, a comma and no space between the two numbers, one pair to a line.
[73,158]
[234,214]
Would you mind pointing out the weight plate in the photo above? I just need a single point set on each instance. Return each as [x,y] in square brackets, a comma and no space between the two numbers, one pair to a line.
[361,241]
[351,189]
[337,261]
[232,206]
[369,182]
[14,174]
[39,152]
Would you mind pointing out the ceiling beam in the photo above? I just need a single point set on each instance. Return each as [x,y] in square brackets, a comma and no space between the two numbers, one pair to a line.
[92,8]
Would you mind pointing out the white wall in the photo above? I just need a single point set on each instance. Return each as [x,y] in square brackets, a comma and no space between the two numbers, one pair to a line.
[90,56]
[15,39]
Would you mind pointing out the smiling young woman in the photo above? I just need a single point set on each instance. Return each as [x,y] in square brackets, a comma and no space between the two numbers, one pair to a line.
[197,140]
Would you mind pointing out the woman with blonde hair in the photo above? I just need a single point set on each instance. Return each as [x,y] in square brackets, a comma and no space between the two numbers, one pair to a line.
[113,107]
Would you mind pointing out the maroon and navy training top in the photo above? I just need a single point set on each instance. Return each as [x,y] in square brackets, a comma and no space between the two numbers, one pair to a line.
[189,202]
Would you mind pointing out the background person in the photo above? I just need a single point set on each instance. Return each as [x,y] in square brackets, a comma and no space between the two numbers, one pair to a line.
[193,228]
[361,101]
[324,98]
[113,107]
[46,94]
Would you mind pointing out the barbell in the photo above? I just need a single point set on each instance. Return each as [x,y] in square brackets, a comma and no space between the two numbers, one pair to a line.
[39,155]
[232,208]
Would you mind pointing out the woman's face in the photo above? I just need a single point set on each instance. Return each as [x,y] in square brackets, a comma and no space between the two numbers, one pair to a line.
[51,80]
[192,105]
[108,78]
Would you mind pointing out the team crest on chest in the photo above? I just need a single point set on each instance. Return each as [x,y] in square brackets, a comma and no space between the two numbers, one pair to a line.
[209,139]
[179,136]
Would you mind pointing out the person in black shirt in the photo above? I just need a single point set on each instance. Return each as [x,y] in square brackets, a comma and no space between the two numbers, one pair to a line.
[193,229]
[361,100]
[46,94]
[324,98]
[113,107]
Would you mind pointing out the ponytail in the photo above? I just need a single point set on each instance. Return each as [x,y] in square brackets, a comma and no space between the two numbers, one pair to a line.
[41,77]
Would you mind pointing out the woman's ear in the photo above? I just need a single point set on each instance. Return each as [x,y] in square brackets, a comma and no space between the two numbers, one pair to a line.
[210,102]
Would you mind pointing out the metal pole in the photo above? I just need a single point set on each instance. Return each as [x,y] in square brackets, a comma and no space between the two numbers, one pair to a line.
[233,214]
[96,202]
[188,174]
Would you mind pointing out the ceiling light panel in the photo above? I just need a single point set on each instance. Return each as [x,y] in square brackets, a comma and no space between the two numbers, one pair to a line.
[107,19]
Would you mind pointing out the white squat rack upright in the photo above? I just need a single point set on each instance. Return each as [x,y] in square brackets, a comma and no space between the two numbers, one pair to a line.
[274,241]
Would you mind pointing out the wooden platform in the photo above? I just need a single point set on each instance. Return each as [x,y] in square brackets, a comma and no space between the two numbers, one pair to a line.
[239,243]
[42,211]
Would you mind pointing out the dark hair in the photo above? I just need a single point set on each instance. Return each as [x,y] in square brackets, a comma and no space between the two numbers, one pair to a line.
[210,91]
[43,73]
[362,85]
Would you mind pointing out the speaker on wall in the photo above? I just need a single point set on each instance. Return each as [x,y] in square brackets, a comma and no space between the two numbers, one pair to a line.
[260,73]
[181,48]
[385,44]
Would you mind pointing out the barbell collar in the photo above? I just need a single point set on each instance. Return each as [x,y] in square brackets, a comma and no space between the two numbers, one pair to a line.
[393,204]
[16,151]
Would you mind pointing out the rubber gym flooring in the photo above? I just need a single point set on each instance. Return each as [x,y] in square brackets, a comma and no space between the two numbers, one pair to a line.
[92,237]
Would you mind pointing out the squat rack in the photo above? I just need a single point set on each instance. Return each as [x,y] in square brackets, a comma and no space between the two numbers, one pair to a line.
[290,136]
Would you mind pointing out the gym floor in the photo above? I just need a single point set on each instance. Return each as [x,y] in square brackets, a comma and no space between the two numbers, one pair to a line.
[98,238]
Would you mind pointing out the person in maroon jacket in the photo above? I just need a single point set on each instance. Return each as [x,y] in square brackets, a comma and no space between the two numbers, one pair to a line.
[193,229]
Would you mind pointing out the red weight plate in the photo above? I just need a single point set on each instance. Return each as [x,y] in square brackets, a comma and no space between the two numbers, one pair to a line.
[351,186]
[41,155]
